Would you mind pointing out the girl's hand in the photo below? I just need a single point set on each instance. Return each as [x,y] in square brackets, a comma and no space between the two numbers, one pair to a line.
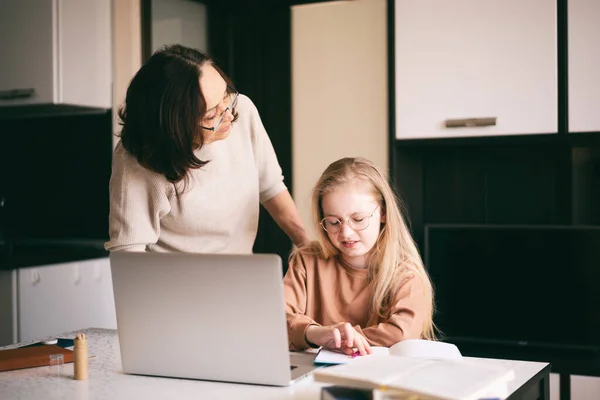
[340,337]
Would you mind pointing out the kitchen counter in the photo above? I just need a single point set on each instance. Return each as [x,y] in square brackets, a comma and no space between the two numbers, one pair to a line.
[15,254]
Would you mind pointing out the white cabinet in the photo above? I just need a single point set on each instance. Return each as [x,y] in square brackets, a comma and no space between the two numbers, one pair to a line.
[584,65]
[56,52]
[64,297]
[472,59]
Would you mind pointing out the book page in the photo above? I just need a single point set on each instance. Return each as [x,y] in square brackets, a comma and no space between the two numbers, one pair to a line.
[462,380]
[368,371]
[441,379]
[430,349]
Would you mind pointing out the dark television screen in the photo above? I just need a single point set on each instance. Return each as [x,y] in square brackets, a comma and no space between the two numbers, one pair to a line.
[54,174]
[516,284]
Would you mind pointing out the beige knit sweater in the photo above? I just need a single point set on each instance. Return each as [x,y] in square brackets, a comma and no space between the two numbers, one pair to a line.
[327,292]
[219,211]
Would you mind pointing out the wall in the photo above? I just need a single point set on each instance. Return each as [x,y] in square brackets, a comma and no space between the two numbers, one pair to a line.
[127,49]
[339,89]
[178,21]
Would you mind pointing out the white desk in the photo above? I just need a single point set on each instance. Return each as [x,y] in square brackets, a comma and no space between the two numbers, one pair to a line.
[106,381]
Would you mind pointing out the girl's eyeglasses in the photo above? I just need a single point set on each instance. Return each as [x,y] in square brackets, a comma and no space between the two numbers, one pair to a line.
[358,223]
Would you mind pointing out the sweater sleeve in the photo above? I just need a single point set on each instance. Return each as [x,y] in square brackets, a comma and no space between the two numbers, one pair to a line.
[406,317]
[138,201]
[294,287]
[269,171]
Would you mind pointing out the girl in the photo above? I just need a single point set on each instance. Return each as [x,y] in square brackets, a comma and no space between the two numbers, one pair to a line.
[362,283]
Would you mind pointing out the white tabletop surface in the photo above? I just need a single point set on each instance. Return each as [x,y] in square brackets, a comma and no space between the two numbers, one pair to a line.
[107,381]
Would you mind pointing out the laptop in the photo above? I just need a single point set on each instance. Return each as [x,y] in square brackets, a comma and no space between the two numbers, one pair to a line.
[203,316]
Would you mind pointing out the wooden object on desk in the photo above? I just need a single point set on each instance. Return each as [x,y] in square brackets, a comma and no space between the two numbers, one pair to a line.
[81,357]
[28,357]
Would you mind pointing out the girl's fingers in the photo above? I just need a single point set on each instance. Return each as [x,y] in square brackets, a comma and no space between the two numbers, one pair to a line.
[367,345]
[337,338]
[349,332]
[360,344]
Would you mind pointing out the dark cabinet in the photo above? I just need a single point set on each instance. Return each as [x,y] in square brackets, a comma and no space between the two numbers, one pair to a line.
[520,184]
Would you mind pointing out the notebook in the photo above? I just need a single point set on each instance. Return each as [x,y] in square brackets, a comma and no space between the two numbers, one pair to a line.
[35,356]
[417,348]
[463,379]
[328,357]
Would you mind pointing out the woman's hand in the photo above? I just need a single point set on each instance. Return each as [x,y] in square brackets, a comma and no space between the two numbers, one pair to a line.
[340,337]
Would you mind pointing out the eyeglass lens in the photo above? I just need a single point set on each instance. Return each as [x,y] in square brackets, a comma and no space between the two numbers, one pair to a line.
[334,225]
[229,104]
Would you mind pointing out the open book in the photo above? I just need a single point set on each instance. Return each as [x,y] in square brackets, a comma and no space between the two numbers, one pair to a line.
[417,348]
[463,379]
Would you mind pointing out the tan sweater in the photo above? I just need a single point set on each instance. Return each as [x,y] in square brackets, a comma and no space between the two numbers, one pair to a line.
[326,292]
[217,214]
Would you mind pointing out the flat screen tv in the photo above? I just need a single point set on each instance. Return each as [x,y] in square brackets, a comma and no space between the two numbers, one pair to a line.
[522,285]
[54,175]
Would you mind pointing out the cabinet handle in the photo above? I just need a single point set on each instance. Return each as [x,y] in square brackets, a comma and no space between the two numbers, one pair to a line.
[470,122]
[35,277]
[76,275]
[13,94]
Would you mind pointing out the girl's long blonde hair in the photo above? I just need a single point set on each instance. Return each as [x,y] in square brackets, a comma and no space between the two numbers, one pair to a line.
[395,253]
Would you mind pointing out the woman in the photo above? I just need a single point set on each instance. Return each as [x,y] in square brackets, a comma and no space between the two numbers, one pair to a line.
[193,163]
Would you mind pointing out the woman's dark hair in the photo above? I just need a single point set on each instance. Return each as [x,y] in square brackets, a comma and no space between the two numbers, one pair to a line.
[163,109]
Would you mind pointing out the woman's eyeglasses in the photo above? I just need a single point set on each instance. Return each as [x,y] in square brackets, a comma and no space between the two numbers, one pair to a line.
[358,223]
[230,102]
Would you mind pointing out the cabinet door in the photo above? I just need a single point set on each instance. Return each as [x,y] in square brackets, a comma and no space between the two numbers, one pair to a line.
[584,65]
[85,56]
[27,44]
[65,297]
[56,52]
[467,59]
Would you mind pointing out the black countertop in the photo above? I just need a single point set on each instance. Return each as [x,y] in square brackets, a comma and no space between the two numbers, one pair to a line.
[15,254]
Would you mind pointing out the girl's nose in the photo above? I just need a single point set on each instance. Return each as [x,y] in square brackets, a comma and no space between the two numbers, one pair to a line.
[346,230]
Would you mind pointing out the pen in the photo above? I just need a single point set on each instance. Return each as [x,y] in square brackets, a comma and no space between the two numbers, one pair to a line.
[356,354]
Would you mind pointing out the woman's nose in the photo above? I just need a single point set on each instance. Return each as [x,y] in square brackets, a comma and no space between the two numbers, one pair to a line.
[228,116]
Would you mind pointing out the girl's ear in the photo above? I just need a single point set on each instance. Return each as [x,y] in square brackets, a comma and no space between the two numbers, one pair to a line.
[382,215]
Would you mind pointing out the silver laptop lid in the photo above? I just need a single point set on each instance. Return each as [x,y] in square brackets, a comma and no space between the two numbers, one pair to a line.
[201,316]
